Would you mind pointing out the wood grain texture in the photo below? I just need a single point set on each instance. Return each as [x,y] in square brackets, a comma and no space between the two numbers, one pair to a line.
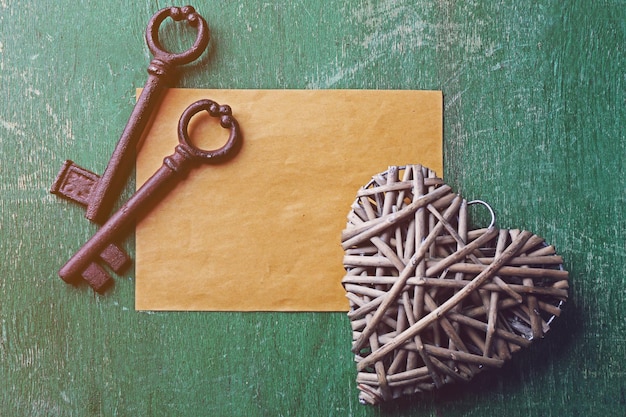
[534,124]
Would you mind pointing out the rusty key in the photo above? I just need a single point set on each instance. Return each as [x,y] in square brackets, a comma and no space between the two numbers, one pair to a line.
[99,194]
[174,168]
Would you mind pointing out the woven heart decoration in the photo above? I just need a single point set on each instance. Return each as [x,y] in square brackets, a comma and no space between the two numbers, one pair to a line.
[432,302]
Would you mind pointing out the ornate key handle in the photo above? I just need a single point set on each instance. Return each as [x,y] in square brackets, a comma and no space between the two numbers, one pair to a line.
[186,151]
[187,13]
[227,121]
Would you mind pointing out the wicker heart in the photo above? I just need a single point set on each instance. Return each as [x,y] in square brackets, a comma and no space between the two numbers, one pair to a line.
[432,302]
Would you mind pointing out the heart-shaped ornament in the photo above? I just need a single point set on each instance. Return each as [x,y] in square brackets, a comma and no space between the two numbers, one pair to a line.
[432,302]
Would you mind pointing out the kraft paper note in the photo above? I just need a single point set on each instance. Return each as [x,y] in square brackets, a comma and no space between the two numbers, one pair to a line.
[262,231]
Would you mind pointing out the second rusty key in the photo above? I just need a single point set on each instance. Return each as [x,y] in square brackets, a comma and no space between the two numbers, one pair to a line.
[85,262]
[99,194]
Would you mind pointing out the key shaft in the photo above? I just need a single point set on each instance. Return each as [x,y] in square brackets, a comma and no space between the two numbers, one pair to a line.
[161,71]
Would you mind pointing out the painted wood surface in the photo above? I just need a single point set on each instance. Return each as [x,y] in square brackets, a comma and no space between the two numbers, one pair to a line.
[534,124]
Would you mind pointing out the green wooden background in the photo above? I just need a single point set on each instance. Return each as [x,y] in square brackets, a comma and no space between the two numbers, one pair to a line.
[534,123]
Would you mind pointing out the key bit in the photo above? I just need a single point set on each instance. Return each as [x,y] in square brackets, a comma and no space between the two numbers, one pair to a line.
[74,183]
[97,277]
[115,258]
[174,168]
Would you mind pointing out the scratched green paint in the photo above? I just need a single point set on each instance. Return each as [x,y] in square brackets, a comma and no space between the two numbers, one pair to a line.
[534,124]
